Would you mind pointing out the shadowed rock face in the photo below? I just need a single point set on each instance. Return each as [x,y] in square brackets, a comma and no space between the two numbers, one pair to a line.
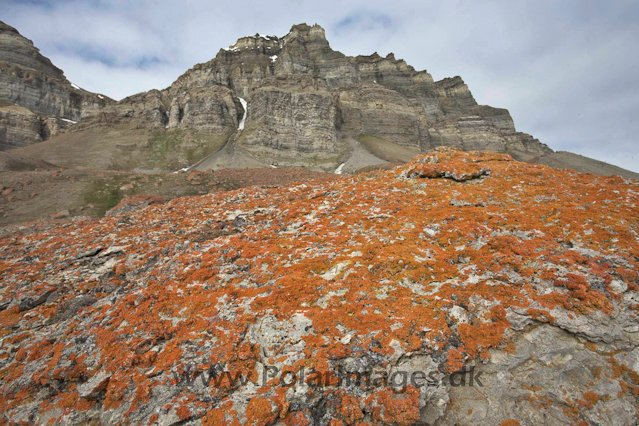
[18,127]
[31,81]
[145,109]
[291,118]
[372,109]
[213,108]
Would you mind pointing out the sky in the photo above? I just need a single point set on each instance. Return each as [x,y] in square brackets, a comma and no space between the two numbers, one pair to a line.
[567,70]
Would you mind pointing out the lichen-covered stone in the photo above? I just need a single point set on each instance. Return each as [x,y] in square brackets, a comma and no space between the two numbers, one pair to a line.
[184,311]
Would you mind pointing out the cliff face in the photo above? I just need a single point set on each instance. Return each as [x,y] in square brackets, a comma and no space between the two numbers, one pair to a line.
[308,105]
[18,126]
[31,81]
[392,297]
[331,97]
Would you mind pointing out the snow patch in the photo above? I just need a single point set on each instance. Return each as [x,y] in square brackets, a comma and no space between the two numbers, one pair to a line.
[69,121]
[75,86]
[245,105]
[273,58]
[338,171]
[100,96]
[273,166]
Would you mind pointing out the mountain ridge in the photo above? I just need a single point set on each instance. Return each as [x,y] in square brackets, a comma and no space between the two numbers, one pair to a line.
[36,99]
[309,106]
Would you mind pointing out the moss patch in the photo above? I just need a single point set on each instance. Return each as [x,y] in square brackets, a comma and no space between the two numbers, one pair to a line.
[175,149]
[104,194]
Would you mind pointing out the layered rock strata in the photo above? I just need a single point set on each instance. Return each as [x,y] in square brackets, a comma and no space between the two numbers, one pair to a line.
[268,101]
[29,80]
[370,95]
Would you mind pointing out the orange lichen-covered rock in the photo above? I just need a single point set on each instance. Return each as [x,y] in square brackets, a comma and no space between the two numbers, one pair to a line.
[379,298]
[449,164]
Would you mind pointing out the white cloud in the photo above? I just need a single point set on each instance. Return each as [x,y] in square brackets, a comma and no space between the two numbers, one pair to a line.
[118,82]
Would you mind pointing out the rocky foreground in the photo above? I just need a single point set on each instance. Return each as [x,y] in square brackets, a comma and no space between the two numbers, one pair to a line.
[266,305]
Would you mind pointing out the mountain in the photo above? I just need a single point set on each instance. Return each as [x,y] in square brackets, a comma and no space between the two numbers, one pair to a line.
[36,99]
[427,294]
[294,101]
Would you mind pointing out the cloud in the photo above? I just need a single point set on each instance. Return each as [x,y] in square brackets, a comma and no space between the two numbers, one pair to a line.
[566,69]
[364,22]
[117,82]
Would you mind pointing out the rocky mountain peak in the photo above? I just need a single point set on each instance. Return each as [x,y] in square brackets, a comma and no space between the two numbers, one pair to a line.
[257,41]
[6,27]
[306,32]
[350,98]
[300,34]
[36,99]
[18,50]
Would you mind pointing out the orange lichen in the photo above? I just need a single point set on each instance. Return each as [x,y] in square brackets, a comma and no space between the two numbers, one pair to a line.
[591,399]
[260,412]
[297,419]
[183,413]
[455,360]
[376,263]
[350,410]
[21,354]
[214,417]
[394,408]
